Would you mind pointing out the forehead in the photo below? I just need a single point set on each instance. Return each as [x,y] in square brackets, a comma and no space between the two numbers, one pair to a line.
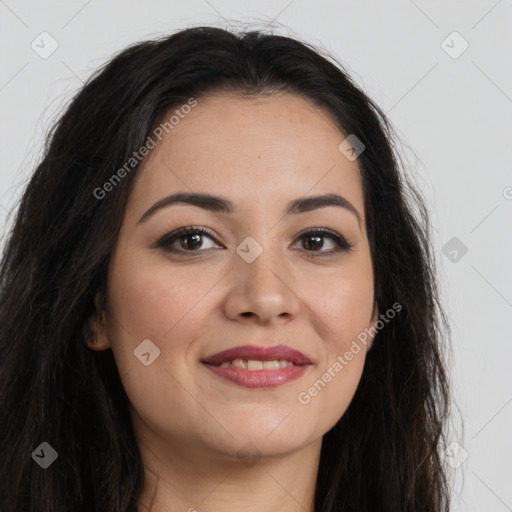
[260,150]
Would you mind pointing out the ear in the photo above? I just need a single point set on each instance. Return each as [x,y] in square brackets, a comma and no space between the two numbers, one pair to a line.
[97,338]
[373,321]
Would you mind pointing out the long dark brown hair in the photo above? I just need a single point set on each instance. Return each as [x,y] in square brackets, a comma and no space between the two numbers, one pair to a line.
[383,455]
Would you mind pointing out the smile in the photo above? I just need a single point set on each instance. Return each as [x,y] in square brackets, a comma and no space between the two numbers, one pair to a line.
[258,374]
[254,365]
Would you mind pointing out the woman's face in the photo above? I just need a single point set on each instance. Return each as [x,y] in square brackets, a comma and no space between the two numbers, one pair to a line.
[256,278]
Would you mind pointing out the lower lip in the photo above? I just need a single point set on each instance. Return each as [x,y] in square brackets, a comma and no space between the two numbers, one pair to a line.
[259,378]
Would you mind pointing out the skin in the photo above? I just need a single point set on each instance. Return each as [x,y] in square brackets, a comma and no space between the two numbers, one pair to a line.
[190,424]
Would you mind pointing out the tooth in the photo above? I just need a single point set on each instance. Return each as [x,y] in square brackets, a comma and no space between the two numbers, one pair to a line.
[254,365]
[271,365]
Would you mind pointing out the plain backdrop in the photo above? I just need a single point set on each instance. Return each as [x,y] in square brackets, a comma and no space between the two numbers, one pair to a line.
[440,70]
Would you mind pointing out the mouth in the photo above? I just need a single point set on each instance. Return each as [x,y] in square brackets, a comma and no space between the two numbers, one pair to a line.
[258,354]
[254,366]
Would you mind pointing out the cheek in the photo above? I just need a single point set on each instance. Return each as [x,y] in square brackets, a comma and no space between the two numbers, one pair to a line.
[154,303]
[151,302]
[343,307]
[331,390]
[342,311]
[342,316]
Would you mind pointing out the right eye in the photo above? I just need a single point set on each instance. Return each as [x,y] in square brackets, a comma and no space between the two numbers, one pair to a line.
[190,239]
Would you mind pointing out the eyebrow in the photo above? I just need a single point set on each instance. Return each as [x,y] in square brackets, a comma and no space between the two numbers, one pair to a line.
[222,205]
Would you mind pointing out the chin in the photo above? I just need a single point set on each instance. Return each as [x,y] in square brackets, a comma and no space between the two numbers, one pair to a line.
[266,442]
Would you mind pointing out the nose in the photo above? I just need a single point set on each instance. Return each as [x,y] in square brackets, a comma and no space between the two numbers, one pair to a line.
[262,291]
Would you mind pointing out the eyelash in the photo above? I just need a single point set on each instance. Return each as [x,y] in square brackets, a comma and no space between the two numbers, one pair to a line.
[342,245]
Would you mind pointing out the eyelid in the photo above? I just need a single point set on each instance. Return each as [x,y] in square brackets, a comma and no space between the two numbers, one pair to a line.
[185,230]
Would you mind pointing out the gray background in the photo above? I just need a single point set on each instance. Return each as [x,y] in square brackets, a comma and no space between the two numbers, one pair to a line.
[453,115]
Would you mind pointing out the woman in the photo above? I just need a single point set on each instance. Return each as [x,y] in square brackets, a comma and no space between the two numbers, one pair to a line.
[216,295]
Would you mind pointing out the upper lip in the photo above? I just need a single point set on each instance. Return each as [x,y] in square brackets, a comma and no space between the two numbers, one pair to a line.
[258,353]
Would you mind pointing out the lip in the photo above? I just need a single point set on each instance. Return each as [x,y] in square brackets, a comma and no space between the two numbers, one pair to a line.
[258,378]
[259,353]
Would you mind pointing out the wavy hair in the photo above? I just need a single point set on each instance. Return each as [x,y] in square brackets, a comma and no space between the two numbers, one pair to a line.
[384,454]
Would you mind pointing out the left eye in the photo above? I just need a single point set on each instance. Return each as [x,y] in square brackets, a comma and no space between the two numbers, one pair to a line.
[191,240]
[315,239]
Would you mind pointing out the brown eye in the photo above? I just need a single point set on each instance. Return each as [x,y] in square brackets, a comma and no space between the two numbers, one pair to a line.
[313,241]
[189,239]
[192,241]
